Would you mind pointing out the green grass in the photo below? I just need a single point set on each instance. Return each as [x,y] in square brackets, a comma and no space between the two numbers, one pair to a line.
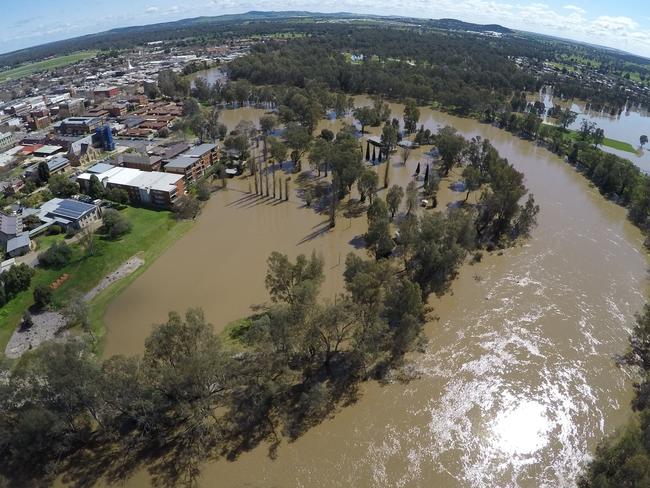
[613,143]
[57,62]
[44,241]
[152,233]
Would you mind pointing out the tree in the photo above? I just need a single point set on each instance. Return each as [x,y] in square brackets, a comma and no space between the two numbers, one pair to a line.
[411,116]
[378,238]
[114,223]
[27,321]
[76,313]
[346,160]
[56,256]
[296,283]
[366,116]
[62,187]
[394,198]
[367,184]
[598,136]
[43,171]
[16,279]
[88,241]
[388,138]
[278,149]
[406,153]
[95,188]
[298,139]
[117,195]
[472,176]
[203,191]
[187,207]
[566,117]
[450,145]
[411,197]
[327,134]
[190,107]
[42,296]
[643,140]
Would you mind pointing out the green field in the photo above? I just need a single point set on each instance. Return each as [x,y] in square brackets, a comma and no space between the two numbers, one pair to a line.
[57,62]
[152,233]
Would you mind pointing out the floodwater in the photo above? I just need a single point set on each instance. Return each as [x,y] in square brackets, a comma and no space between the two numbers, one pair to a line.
[628,127]
[518,381]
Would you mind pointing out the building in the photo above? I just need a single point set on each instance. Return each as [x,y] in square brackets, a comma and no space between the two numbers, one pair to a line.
[139,161]
[104,92]
[55,165]
[7,140]
[11,225]
[71,108]
[19,245]
[193,163]
[77,125]
[151,188]
[68,213]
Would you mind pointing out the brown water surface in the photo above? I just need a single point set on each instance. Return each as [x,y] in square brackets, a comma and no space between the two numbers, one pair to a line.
[518,381]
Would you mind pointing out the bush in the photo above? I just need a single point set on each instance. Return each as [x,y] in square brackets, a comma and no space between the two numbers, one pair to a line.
[42,296]
[187,207]
[203,191]
[16,279]
[54,230]
[114,224]
[56,256]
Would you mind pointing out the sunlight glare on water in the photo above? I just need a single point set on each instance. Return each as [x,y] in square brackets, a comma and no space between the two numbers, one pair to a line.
[521,430]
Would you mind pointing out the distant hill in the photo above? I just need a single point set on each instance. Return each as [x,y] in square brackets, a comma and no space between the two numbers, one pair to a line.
[453,24]
[209,26]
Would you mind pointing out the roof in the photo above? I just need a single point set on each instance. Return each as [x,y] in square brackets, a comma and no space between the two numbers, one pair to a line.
[156,180]
[57,162]
[48,149]
[66,208]
[180,162]
[100,168]
[18,242]
[200,150]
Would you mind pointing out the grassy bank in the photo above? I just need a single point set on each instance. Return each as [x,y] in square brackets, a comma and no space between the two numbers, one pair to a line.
[613,143]
[56,62]
[152,233]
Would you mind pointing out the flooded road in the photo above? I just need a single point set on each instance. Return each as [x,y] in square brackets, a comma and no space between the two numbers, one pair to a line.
[518,381]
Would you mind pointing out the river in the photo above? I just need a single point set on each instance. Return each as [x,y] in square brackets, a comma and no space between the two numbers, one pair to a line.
[518,381]
[628,127]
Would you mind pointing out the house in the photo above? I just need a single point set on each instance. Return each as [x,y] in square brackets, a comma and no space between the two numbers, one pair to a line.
[150,188]
[68,213]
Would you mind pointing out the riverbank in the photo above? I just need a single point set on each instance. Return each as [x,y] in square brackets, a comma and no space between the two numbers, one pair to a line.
[152,233]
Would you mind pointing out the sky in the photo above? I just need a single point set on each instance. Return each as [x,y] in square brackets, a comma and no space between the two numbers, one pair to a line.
[621,24]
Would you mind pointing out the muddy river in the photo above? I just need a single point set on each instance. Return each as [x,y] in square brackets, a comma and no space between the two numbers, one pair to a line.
[518,381]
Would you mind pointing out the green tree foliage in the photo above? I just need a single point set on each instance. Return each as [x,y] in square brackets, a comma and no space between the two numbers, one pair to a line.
[450,145]
[186,207]
[57,255]
[95,188]
[43,171]
[62,187]
[367,116]
[394,199]
[378,239]
[114,223]
[411,116]
[14,280]
[42,296]
[367,184]
[298,139]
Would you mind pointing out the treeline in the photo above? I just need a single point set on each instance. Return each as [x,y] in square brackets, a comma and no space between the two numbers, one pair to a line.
[617,178]
[193,396]
[453,69]
[623,460]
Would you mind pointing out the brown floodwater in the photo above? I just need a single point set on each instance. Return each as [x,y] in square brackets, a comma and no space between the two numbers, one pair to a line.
[518,381]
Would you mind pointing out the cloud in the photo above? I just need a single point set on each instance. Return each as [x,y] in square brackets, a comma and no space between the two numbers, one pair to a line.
[576,9]
[151,10]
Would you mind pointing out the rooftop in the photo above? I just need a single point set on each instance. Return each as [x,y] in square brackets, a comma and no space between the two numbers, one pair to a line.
[200,150]
[181,162]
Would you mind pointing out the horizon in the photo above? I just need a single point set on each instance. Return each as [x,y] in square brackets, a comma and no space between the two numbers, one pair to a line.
[596,23]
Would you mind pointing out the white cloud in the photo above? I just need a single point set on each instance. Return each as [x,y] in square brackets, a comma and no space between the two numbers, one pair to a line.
[576,9]
[151,10]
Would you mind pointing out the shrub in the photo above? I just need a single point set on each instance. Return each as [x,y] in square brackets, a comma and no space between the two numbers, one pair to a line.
[42,296]
[114,224]
[56,256]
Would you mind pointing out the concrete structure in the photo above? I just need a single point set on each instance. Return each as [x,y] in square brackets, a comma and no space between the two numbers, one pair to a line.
[11,225]
[193,163]
[7,140]
[146,188]
[104,92]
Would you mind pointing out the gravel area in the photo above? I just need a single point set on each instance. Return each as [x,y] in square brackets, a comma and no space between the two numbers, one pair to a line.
[47,326]
[124,270]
